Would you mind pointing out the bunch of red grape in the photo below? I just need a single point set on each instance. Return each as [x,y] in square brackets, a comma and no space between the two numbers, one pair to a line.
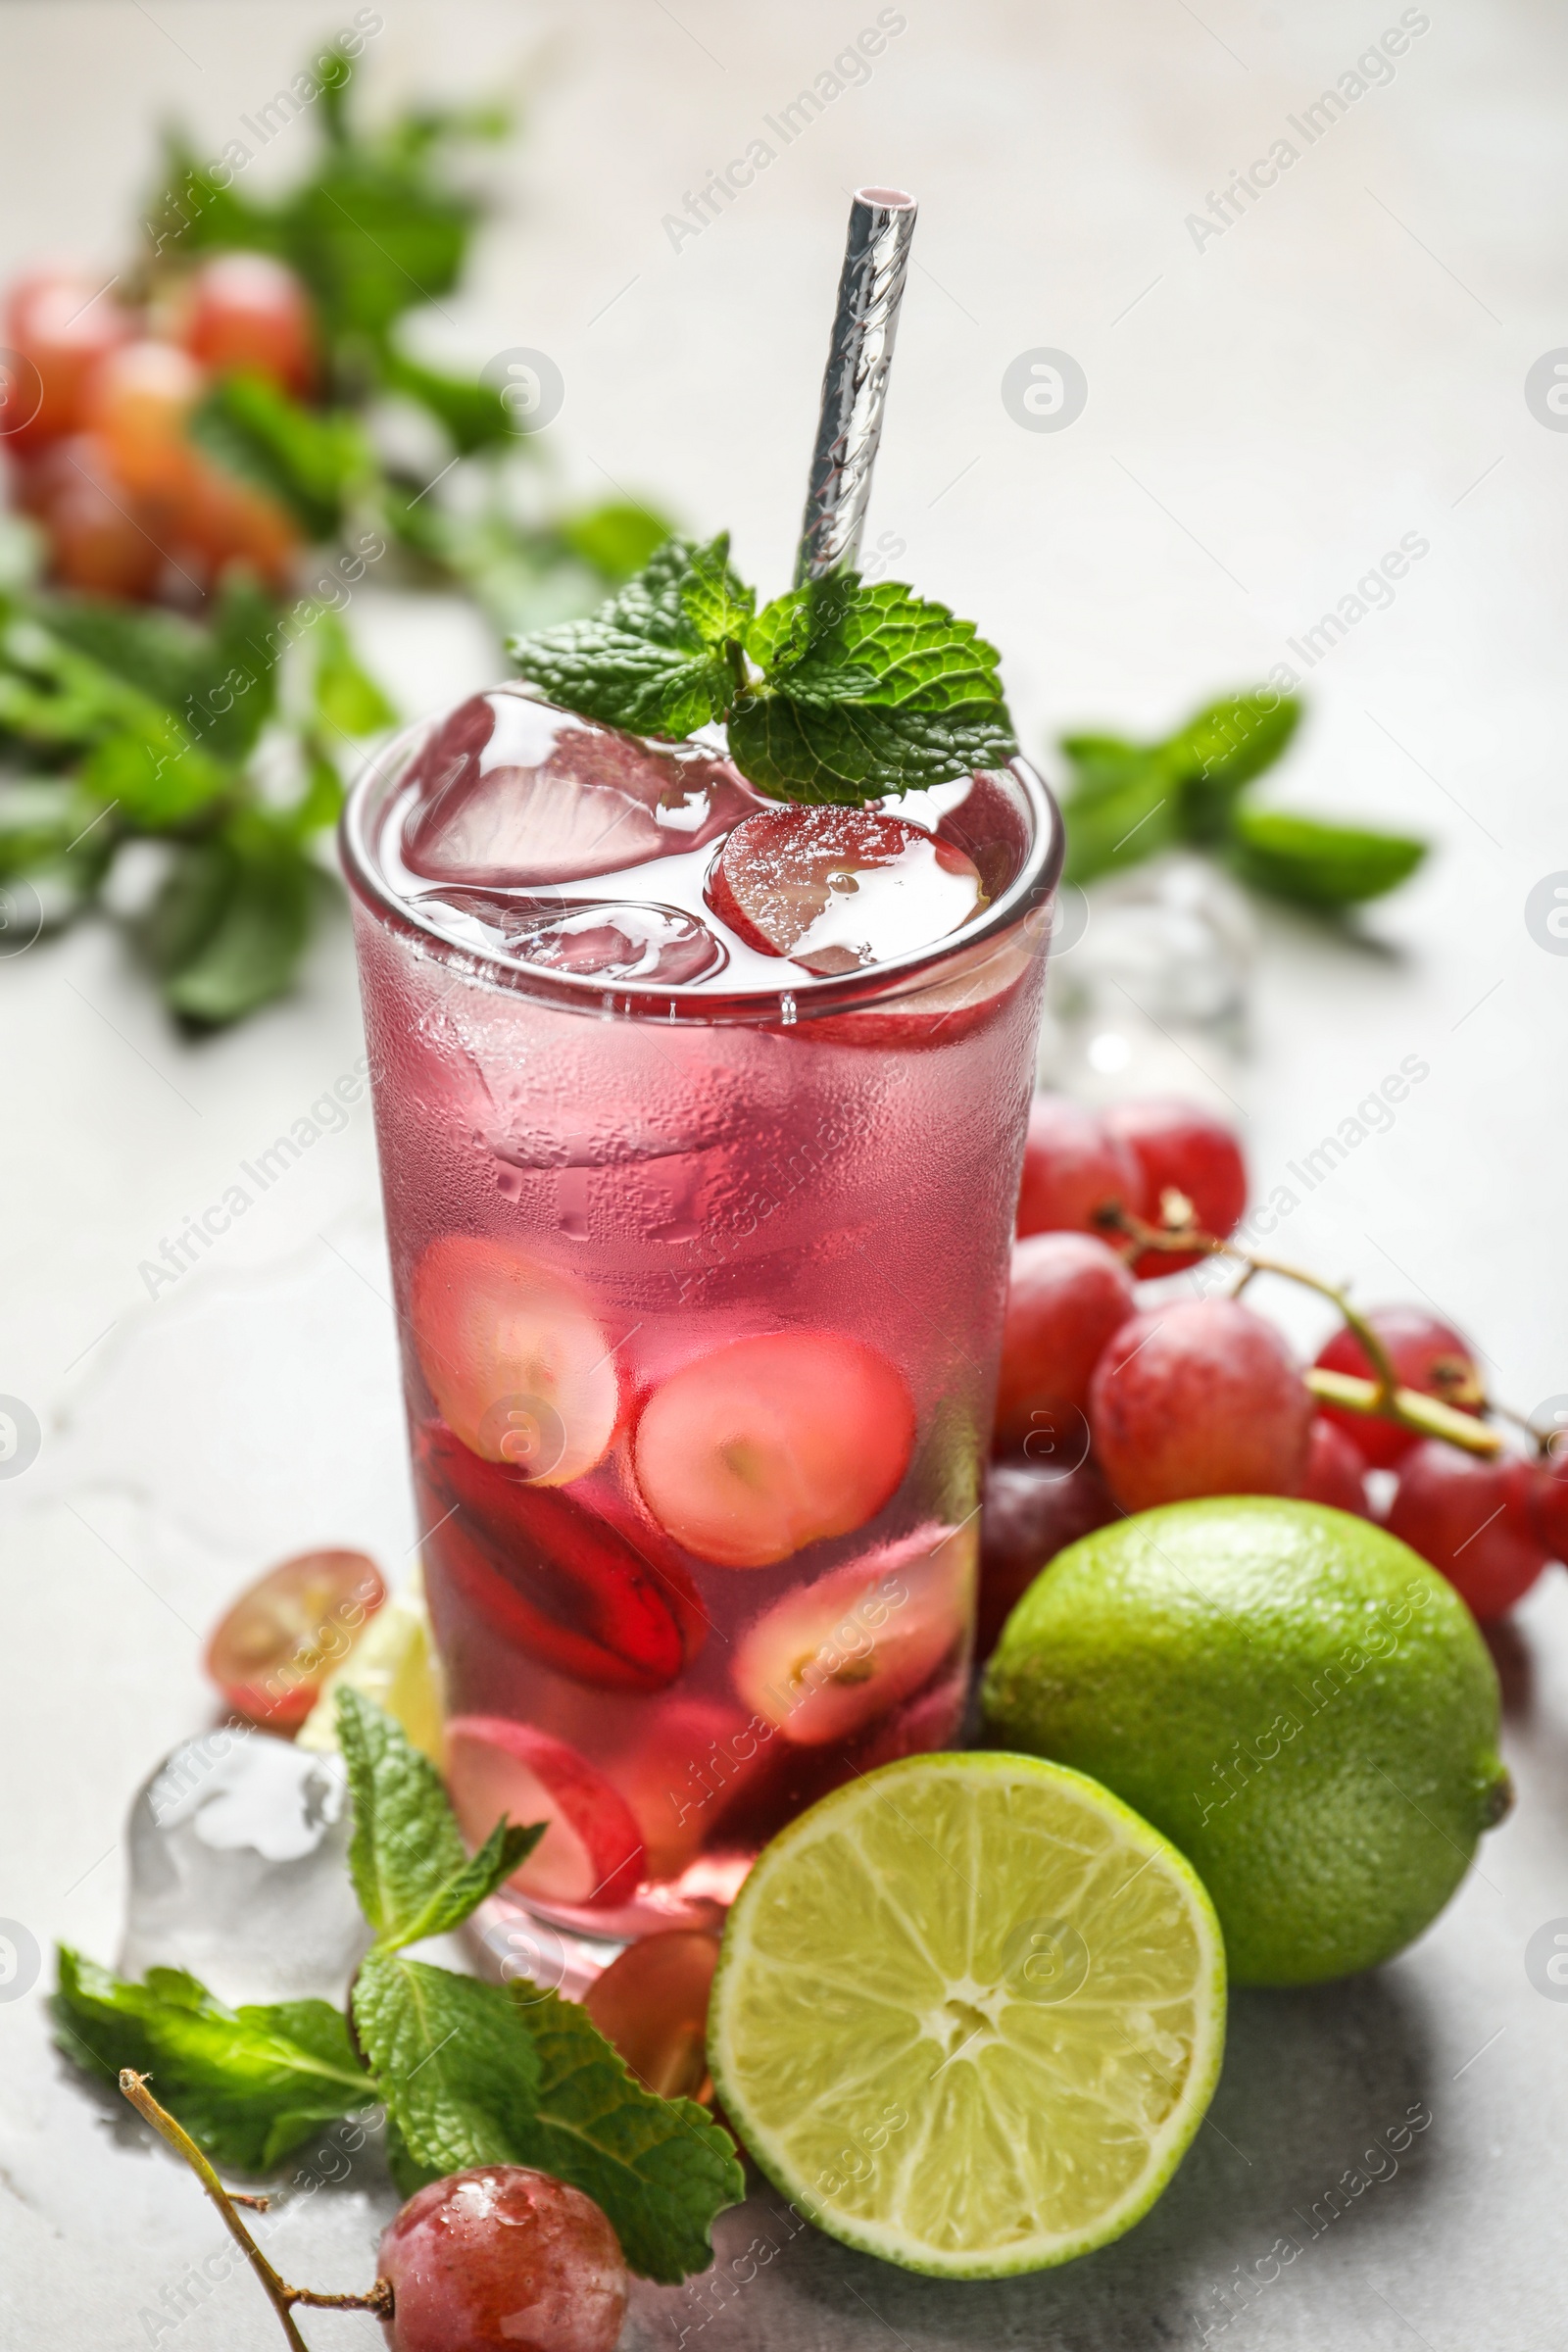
[95,406]
[1104,1407]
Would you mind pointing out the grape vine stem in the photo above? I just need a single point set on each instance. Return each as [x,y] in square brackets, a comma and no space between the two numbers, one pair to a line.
[279,2294]
[1381,1397]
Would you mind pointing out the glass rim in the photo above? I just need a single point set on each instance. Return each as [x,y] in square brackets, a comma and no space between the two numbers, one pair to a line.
[804,996]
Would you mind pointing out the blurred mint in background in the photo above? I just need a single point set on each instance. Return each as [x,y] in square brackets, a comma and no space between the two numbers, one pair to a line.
[204,463]
[1127,802]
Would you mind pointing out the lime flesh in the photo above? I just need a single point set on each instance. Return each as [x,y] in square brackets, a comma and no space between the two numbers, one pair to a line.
[969,2013]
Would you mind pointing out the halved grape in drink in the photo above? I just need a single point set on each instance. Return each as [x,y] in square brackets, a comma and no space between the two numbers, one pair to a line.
[691,1757]
[830,1657]
[774,1442]
[513,792]
[555,1577]
[272,1648]
[840,889]
[591,1855]
[514,1358]
[599,940]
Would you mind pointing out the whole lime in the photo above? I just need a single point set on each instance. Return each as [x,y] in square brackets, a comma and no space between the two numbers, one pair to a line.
[1301,1706]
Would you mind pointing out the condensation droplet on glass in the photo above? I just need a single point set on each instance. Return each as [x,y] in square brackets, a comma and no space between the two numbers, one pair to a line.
[786,1012]
[510,1182]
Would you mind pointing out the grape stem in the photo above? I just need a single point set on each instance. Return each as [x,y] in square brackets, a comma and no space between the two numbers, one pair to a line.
[1381,1397]
[279,2294]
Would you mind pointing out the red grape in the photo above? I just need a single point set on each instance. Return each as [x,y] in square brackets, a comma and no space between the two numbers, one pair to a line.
[502,2259]
[1472,1519]
[59,325]
[249,312]
[137,400]
[1549,1504]
[1427,1355]
[1335,1471]
[1029,1516]
[277,1641]
[98,540]
[1199,1398]
[1073,1166]
[1068,1294]
[652,2003]
[1181,1147]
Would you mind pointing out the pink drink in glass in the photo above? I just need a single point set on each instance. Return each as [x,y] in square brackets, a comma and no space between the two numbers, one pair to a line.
[700,1252]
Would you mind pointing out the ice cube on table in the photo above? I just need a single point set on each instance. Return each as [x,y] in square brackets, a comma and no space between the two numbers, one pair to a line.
[238,1871]
[839,889]
[509,790]
[597,939]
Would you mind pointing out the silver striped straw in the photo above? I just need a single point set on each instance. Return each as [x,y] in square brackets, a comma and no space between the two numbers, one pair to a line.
[876,262]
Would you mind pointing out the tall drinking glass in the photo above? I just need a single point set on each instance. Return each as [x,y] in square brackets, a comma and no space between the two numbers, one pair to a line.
[700,1287]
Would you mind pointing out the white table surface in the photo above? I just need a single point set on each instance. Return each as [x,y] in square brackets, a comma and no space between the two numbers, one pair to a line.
[1266,416]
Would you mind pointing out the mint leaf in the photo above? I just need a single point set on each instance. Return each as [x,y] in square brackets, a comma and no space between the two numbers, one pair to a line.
[473,416]
[406,1843]
[616,538]
[410,1869]
[1316,864]
[231,923]
[154,770]
[1221,749]
[850,753]
[660,2169]
[347,696]
[221,682]
[308,462]
[1124,812]
[867,691]
[320,802]
[653,659]
[1128,801]
[458,2078]
[248,2083]
[41,818]
[502,1852]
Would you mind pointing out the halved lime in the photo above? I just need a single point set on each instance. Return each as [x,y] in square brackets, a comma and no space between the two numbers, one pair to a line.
[968,2014]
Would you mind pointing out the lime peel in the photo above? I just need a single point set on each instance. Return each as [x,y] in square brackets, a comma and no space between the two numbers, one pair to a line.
[969,2013]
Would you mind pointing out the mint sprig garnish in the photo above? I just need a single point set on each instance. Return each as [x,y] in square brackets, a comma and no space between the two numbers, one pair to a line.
[468,2073]
[410,1869]
[839,690]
